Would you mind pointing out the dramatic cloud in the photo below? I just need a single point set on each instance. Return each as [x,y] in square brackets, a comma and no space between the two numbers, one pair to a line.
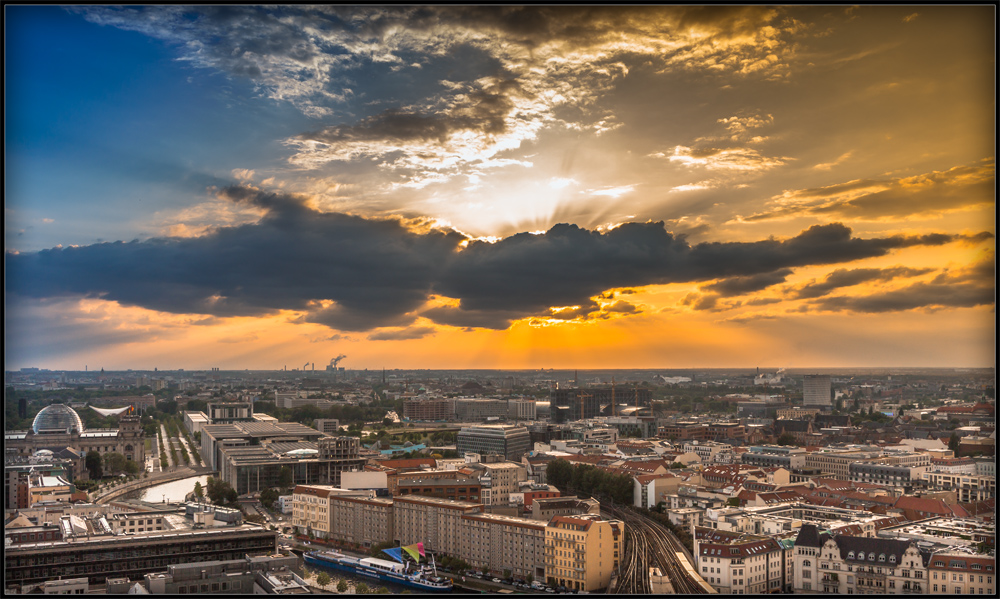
[958,188]
[744,285]
[964,288]
[847,278]
[357,274]
[468,82]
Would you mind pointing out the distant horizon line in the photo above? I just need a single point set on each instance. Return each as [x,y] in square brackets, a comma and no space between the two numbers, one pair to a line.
[35,369]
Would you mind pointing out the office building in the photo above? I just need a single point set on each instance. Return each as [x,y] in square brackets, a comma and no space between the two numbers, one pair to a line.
[816,391]
[583,403]
[512,442]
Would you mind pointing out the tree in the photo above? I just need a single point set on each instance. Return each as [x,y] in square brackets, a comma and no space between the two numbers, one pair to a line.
[322,579]
[285,477]
[341,586]
[559,473]
[199,492]
[361,589]
[954,442]
[268,497]
[786,439]
[114,462]
[93,463]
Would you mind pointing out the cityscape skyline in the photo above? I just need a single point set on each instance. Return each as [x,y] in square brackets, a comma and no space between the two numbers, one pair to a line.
[499,188]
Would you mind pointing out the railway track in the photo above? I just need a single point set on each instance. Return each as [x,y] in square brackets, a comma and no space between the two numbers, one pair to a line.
[647,544]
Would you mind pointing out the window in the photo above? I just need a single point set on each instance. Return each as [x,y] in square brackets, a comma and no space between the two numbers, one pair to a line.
[881,557]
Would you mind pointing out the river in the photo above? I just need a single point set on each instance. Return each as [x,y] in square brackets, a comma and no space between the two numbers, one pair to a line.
[172,491]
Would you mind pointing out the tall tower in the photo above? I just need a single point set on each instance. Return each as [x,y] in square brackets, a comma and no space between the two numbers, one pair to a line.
[131,439]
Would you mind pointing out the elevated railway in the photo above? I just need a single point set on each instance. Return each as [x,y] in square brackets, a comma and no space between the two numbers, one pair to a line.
[649,546]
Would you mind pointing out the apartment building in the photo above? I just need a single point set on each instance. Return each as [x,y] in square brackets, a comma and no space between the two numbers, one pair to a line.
[393,480]
[546,509]
[497,543]
[683,431]
[962,574]
[953,465]
[967,487]
[648,489]
[889,475]
[707,450]
[739,564]
[458,488]
[499,480]
[849,565]
[837,464]
[582,552]
[361,521]
[435,522]
[432,409]
[789,458]
[906,458]
[311,510]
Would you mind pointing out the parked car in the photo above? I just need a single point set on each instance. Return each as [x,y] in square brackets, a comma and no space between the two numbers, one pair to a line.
[496,580]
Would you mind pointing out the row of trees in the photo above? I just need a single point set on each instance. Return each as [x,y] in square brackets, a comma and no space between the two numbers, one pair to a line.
[585,479]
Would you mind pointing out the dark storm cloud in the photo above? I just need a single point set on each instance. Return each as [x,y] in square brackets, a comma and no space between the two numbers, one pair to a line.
[847,278]
[374,270]
[743,285]
[484,111]
[966,288]
[356,274]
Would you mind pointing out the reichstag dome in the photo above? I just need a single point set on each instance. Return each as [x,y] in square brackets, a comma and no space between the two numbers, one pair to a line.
[57,418]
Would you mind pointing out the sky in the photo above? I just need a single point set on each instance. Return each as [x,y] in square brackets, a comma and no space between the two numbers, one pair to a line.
[503,187]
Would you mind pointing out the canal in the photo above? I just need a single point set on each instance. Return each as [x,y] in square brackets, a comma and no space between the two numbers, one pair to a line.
[171,492]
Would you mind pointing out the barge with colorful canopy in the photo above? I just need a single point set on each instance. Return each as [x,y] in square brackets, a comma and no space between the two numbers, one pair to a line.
[411,574]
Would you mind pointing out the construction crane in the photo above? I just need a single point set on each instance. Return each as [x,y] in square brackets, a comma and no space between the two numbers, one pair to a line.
[335,361]
[581,396]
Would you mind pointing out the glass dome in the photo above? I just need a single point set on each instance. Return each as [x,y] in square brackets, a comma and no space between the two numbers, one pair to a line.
[57,417]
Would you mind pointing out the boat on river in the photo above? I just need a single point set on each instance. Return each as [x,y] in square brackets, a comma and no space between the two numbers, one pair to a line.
[424,578]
